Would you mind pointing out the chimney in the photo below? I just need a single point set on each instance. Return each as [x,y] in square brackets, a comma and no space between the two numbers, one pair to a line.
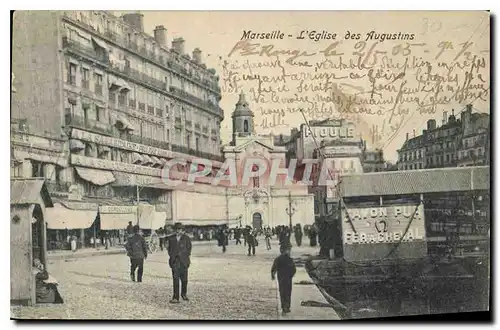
[178,45]
[136,20]
[160,34]
[197,55]
[414,133]
[445,116]
[431,124]
[407,135]
[469,107]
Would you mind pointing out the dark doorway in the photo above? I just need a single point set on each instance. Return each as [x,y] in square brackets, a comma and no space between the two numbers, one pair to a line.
[257,221]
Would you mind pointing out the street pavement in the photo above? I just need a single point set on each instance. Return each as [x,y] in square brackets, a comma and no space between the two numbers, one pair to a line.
[221,286]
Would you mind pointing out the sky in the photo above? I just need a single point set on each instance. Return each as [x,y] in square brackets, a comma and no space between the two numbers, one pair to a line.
[447,66]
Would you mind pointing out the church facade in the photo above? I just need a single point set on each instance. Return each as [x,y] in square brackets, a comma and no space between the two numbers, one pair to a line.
[259,200]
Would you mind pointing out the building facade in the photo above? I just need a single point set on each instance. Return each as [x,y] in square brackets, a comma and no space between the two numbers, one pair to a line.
[457,142]
[101,106]
[264,201]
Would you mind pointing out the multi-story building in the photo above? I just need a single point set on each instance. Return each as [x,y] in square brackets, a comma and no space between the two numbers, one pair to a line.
[373,160]
[457,142]
[101,106]
[473,148]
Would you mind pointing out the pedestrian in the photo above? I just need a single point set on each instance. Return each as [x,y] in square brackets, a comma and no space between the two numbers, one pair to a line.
[130,229]
[179,250]
[137,251]
[237,235]
[252,242]
[285,268]
[222,239]
[313,236]
[161,235]
[298,234]
[268,234]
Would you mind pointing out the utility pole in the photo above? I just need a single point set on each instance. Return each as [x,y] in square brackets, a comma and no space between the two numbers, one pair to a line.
[290,210]
[227,207]
[137,192]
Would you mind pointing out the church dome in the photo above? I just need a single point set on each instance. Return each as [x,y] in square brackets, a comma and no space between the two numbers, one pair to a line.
[242,108]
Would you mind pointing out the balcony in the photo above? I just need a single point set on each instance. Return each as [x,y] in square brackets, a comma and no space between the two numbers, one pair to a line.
[214,108]
[151,110]
[143,78]
[86,124]
[147,141]
[142,106]
[88,52]
[196,153]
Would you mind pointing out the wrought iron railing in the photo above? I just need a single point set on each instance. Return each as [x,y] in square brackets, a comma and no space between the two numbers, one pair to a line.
[79,49]
[86,124]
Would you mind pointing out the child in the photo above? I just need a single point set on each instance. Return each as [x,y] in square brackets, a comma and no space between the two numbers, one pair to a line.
[285,267]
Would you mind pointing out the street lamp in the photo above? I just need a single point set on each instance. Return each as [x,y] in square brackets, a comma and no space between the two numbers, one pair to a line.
[290,210]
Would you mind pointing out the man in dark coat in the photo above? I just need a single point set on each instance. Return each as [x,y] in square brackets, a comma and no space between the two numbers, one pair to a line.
[285,267]
[298,234]
[137,250]
[237,235]
[179,250]
[222,239]
[130,229]
[252,242]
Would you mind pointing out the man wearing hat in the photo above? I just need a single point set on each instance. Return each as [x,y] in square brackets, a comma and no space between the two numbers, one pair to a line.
[179,251]
[137,250]
[285,267]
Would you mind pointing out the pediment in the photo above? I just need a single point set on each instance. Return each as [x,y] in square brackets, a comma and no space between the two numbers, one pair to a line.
[254,145]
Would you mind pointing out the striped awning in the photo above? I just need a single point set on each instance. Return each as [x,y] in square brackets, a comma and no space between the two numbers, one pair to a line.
[156,161]
[97,177]
[60,217]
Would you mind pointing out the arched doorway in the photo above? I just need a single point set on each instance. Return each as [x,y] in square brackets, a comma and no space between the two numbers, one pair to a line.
[257,221]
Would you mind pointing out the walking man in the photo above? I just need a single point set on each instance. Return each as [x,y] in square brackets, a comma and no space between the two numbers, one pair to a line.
[137,251]
[268,234]
[237,235]
[179,250]
[252,242]
[285,267]
[298,234]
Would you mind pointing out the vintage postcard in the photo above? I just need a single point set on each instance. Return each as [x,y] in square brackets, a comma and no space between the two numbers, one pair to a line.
[249,165]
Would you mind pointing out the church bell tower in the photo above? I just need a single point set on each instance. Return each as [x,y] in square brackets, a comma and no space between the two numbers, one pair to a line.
[242,119]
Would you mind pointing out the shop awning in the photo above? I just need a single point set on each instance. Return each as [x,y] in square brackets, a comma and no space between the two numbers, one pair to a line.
[100,43]
[76,145]
[136,158]
[124,124]
[97,177]
[156,161]
[59,217]
[157,221]
[147,160]
[113,221]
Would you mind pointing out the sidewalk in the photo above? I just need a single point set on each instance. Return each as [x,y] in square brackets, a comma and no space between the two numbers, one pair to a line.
[90,252]
[302,293]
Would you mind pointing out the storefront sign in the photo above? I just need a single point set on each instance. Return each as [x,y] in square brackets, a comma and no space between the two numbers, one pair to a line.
[345,132]
[120,144]
[114,166]
[117,209]
[80,206]
[341,150]
[389,224]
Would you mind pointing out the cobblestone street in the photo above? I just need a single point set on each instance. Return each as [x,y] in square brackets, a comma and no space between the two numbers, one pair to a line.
[221,286]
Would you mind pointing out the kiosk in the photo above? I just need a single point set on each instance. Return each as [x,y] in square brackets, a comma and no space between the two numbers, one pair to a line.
[28,201]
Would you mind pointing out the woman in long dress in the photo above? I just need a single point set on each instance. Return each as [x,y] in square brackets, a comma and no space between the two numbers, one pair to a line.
[46,286]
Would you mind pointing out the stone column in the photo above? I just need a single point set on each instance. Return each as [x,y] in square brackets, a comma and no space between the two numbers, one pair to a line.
[26,169]
[49,172]
[82,237]
[67,175]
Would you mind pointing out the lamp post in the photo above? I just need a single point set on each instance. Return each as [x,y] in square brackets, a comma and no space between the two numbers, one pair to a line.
[290,210]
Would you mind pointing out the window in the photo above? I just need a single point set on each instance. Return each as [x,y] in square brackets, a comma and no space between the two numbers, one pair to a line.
[98,83]
[352,164]
[85,78]
[72,74]
[99,113]
[256,183]
[197,143]
[188,141]
[184,114]
[245,126]
[168,135]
